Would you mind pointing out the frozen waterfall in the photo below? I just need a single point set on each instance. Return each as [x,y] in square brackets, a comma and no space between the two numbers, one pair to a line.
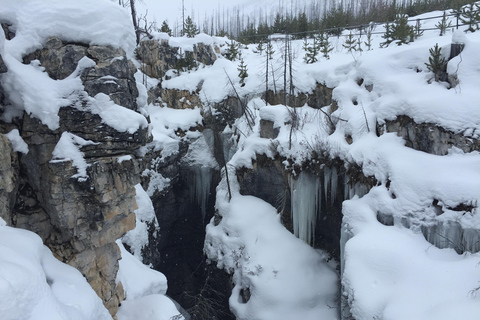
[306,199]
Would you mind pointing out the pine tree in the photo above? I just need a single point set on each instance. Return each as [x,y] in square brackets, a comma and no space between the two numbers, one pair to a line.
[443,24]
[418,32]
[399,31]
[470,15]
[436,63]
[270,50]
[388,35]
[260,47]
[350,43]
[311,51]
[368,43]
[242,71]
[325,45]
[359,44]
[191,29]
[165,28]
[232,50]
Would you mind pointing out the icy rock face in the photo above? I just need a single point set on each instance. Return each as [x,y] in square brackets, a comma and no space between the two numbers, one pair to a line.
[310,203]
[159,57]
[429,137]
[79,216]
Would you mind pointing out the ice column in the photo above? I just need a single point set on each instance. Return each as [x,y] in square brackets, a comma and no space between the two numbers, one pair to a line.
[305,203]
[203,180]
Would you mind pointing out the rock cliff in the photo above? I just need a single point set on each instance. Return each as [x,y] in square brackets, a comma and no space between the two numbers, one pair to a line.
[79,216]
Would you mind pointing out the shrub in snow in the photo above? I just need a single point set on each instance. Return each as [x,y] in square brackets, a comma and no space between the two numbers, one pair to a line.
[311,50]
[399,31]
[165,28]
[325,45]
[443,24]
[231,53]
[242,71]
[470,15]
[350,43]
[437,64]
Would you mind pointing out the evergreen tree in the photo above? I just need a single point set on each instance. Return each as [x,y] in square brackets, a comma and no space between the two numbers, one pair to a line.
[222,33]
[185,62]
[165,28]
[350,43]
[232,50]
[260,47]
[388,35]
[242,71]
[436,63]
[311,51]
[279,24]
[368,43]
[325,45]
[443,24]
[191,29]
[470,15]
[270,50]
[302,23]
[359,44]
[418,29]
[399,31]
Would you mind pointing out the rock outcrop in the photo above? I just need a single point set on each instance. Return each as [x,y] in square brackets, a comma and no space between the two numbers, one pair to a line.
[79,217]
[429,137]
[158,56]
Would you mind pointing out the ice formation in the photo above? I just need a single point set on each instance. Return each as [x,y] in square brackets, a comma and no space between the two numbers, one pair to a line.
[306,198]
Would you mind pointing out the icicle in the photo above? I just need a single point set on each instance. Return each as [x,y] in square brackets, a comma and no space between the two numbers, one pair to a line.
[334,181]
[203,180]
[326,181]
[305,191]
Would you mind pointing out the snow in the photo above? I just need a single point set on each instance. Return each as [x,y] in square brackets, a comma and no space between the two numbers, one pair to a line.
[115,116]
[35,20]
[158,307]
[17,142]
[68,149]
[393,273]
[287,278]
[138,280]
[137,238]
[388,272]
[29,88]
[34,285]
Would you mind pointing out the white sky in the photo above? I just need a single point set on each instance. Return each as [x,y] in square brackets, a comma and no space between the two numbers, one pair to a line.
[171,10]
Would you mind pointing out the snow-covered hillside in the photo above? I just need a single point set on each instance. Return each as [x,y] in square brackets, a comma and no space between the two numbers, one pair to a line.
[387,272]
[395,152]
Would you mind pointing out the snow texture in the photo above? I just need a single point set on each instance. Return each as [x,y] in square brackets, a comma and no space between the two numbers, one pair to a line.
[138,280]
[137,238]
[17,142]
[35,286]
[388,272]
[276,275]
[68,149]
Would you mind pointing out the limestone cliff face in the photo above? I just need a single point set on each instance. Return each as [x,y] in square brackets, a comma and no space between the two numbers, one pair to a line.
[79,219]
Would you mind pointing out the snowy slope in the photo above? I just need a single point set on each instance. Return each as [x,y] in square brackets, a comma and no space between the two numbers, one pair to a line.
[34,285]
[387,272]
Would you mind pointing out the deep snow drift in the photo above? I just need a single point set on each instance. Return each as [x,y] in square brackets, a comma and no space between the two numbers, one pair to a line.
[34,285]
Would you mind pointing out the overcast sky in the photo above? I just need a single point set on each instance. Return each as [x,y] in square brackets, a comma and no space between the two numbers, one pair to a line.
[171,10]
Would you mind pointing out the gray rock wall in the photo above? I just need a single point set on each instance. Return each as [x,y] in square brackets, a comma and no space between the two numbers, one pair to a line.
[78,219]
